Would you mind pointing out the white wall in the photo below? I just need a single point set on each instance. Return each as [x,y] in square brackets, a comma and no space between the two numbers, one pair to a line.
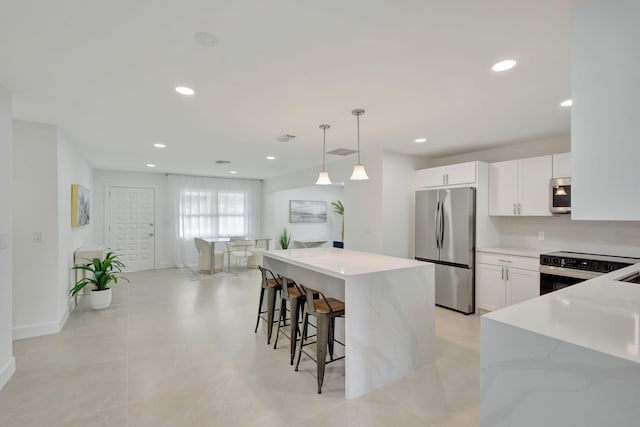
[35,209]
[7,361]
[277,214]
[561,233]
[164,233]
[605,89]
[46,163]
[367,227]
[72,169]
[535,148]
[397,212]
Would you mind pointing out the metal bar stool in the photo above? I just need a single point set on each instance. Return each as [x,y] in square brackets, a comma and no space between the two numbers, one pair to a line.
[295,295]
[325,310]
[272,285]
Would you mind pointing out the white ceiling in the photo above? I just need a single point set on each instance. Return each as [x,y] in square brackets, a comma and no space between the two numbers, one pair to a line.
[105,72]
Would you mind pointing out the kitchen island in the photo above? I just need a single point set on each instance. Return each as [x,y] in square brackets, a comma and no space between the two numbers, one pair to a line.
[568,358]
[389,320]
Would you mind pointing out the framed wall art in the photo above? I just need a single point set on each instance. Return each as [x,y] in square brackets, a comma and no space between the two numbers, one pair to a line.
[80,206]
[309,211]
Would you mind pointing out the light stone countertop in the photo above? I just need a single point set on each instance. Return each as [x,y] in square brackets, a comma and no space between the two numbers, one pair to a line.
[342,262]
[601,314]
[525,252]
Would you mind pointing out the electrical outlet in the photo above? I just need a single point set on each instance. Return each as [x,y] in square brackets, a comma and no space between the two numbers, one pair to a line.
[37,237]
[540,235]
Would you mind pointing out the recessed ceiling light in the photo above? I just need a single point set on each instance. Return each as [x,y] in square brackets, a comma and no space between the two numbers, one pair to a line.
[151,165]
[205,39]
[233,171]
[566,103]
[183,90]
[159,145]
[420,140]
[270,158]
[504,65]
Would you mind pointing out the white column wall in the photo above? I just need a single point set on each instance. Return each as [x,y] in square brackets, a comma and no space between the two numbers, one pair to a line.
[72,169]
[35,201]
[7,361]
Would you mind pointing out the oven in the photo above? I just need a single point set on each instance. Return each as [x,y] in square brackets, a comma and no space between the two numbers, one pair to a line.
[559,270]
[556,278]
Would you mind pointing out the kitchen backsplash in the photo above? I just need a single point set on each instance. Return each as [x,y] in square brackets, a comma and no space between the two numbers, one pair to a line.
[561,233]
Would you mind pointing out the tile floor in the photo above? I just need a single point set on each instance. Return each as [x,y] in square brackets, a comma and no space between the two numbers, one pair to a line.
[178,349]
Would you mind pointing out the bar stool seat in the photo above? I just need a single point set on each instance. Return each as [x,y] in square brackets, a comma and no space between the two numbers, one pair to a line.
[325,310]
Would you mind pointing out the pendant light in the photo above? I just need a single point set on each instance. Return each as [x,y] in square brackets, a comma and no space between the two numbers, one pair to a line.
[359,174]
[560,191]
[323,176]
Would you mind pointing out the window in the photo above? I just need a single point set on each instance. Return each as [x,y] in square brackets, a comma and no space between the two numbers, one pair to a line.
[211,213]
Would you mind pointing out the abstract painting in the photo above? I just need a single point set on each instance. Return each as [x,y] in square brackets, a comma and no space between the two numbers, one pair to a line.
[80,206]
[307,211]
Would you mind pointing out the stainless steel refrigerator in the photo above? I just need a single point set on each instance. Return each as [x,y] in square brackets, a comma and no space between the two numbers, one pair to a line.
[445,235]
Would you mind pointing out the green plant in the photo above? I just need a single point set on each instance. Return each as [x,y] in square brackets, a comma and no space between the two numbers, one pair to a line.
[285,239]
[339,209]
[103,272]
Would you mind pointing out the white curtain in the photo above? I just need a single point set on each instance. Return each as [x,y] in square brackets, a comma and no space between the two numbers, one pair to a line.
[212,207]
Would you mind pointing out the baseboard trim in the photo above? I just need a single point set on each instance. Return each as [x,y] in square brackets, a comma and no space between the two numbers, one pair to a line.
[40,329]
[7,372]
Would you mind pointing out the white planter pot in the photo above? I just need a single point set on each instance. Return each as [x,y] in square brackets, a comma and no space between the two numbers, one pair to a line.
[100,299]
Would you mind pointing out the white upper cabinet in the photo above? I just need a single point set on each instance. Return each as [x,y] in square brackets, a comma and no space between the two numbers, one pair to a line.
[605,124]
[460,174]
[562,165]
[520,187]
[503,188]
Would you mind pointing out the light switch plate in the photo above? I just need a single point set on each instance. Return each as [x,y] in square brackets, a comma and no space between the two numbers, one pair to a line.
[4,241]
[37,237]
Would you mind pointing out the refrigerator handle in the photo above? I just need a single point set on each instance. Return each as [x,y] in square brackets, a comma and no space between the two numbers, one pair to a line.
[441,225]
[436,222]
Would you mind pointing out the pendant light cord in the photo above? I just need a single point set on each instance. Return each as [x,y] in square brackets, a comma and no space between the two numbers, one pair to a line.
[324,146]
[358,121]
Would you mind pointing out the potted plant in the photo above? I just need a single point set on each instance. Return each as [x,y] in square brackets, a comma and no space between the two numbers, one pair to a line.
[103,273]
[285,239]
[339,209]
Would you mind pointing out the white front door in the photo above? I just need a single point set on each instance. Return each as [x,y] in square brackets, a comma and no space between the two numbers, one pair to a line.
[131,226]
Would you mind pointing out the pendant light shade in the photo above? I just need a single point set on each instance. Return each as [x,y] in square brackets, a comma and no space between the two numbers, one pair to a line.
[560,191]
[323,176]
[359,173]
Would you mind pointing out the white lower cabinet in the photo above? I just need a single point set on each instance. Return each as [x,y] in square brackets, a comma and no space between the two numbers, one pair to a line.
[500,284]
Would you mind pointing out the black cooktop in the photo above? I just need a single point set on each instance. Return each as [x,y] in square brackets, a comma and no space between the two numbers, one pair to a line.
[588,262]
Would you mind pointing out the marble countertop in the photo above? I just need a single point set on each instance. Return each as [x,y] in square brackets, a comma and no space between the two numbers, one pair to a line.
[342,262]
[525,252]
[601,314]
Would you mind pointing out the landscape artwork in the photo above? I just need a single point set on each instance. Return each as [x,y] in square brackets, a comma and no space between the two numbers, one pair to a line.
[80,206]
[307,211]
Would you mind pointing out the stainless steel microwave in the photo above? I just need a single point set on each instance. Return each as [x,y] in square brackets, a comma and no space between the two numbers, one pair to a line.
[560,195]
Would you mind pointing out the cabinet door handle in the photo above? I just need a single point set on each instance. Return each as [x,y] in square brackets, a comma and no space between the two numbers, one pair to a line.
[502,270]
[514,208]
[504,260]
[506,274]
[447,175]
[519,209]
[444,179]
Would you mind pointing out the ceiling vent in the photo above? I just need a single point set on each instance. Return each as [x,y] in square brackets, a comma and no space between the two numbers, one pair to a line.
[286,137]
[342,152]
[222,162]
